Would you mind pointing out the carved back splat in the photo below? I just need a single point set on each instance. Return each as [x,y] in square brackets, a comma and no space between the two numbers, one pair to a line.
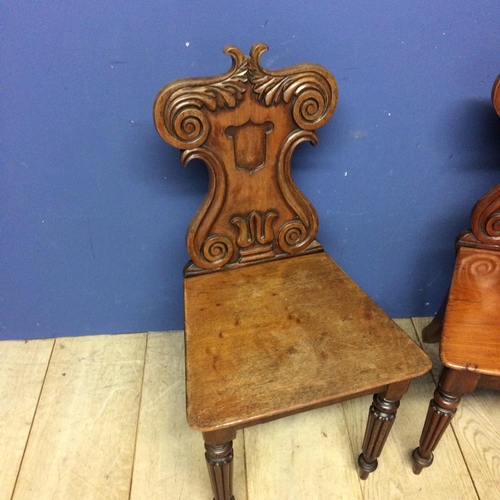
[245,125]
[485,218]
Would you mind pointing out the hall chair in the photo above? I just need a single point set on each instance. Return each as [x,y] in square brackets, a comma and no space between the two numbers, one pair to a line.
[273,326]
[469,321]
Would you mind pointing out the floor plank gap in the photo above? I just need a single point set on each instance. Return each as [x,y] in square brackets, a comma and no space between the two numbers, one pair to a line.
[138,414]
[34,416]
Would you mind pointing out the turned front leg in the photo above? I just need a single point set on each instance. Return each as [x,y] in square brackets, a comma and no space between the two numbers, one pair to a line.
[219,457]
[452,385]
[380,420]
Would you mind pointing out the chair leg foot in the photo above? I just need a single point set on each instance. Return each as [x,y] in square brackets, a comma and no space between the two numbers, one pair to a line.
[380,419]
[365,469]
[419,462]
[220,469]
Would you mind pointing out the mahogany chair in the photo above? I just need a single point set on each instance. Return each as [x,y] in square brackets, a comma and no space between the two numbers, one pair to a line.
[273,326]
[470,343]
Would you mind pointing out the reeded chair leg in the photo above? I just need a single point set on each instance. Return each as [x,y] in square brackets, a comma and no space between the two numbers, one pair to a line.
[219,459]
[452,385]
[380,420]
[220,469]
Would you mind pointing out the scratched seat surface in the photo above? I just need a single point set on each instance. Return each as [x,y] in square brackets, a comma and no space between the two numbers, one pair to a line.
[286,336]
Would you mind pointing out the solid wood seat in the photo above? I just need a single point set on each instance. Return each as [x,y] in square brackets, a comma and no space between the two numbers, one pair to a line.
[471,335]
[290,339]
[272,325]
[469,320]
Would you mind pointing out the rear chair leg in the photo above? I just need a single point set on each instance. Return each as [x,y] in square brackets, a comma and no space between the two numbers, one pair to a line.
[380,419]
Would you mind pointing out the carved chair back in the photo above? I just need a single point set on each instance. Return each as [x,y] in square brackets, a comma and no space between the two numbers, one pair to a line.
[245,125]
[485,217]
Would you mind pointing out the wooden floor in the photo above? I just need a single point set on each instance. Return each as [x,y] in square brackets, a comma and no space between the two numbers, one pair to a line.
[103,418]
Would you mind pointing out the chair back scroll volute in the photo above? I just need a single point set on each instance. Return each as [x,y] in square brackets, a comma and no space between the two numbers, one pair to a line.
[253,210]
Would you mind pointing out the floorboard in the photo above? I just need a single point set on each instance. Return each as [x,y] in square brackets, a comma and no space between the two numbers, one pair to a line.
[476,427]
[302,456]
[82,441]
[394,478]
[104,418]
[22,369]
[169,459]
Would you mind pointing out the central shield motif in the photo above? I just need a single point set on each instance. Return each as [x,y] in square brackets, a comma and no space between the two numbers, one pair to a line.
[249,142]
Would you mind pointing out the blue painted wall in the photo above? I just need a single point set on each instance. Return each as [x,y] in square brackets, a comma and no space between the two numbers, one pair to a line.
[94,205]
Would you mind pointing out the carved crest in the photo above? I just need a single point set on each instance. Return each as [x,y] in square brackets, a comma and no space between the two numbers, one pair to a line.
[245,125]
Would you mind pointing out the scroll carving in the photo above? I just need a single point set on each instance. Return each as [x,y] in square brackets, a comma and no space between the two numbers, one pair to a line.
[183,122]
[295,235]
[485,222]
[179,109]
[485,219]
[248,120]
[209,251]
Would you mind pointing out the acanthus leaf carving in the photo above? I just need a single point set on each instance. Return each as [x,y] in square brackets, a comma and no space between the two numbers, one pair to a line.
[314,90]
[179,109]
[182,121]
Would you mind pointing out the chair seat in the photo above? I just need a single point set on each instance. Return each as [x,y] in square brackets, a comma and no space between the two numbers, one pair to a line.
[286,336]
[471,333]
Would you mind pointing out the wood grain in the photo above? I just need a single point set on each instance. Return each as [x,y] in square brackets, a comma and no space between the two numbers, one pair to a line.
[471,333]
[169,459]
[302,456]
[245,125]
[477,428]
[22,369]
[268,335]
[395,466]
[251,332]
[82,441]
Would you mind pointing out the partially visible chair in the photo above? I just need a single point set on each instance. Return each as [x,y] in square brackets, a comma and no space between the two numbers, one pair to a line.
[470,342]
[273,326]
